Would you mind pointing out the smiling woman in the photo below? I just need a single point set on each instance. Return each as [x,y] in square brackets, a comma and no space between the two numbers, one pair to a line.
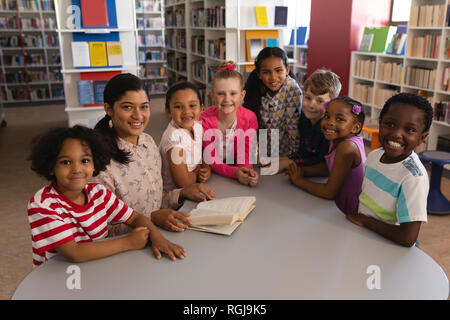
[134,173]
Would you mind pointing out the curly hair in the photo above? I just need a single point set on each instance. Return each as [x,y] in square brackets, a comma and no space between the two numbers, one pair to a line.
[351,103]
[414,100]
[47,146]
[182,85]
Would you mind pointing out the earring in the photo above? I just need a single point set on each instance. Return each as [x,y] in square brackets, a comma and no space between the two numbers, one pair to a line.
[110,123]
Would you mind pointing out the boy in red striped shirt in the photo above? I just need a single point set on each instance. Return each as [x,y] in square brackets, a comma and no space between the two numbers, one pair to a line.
[67,216]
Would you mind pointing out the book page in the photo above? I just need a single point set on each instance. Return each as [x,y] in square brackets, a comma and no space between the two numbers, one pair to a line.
[231,205]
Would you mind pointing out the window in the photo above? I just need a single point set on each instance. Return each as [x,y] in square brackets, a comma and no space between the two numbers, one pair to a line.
[400,11]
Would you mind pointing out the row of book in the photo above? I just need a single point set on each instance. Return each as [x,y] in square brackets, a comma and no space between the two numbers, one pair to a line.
[302,57]
[32,76]
[146,71]
[216,48]
[442,111]
[208,17]
[301,76]
[280,15]
[364,68]
[420,77]
[27,5]
[149,22]
[26,41]
[148,5]
[447,49]
[384,93]
[86,54]
[175,18]
[156,87]
[90,92]
[198,70]
[390,72]
[362,92]
[176,63]
[151,39]
[428,15]
[22,93]
[426,46]
[198,44]
[15,22]
[21,60]
[145,56]
[176,40]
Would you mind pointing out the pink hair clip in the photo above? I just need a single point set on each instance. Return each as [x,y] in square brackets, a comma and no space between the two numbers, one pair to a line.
[356,109]
[229,67]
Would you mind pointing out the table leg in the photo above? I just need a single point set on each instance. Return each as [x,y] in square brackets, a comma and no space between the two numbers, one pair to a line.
[437,203]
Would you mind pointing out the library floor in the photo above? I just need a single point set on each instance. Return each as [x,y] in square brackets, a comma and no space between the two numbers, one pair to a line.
[18,183]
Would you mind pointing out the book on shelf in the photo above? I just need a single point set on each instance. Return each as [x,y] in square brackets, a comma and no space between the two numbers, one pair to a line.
[441,111]
[366,42]
[80,54]
[261,16]
[99,88]
[256,45]
[97,53]
[427,15]
[221,216]
[398,42]
[281,15]
[443,142]
[271,42]
[381,37]
[94,13]
[85,92]
[114,49]
[445,83]
[302,36]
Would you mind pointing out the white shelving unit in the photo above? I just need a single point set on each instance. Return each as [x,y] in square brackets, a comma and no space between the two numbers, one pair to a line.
[126,27]
[29,72]
[188,37]
[151,46]
[371,88]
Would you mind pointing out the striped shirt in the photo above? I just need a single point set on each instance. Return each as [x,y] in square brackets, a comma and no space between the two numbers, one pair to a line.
[394,193]
[55,220]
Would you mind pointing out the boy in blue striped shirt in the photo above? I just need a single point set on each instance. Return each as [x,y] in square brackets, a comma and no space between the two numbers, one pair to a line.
[393,200]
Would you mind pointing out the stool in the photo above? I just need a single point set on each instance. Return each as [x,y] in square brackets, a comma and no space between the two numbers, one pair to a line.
[373,130]
[436,201]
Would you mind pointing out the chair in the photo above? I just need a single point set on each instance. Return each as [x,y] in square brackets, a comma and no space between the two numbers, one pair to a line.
[373,130]
[437,203]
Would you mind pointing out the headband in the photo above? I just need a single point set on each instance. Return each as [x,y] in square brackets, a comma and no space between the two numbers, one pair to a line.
[229,67]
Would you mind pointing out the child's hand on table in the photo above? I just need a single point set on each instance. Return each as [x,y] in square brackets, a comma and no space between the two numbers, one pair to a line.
[171,220]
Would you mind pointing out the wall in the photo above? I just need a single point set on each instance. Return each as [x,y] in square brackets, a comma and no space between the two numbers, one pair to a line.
[336,29]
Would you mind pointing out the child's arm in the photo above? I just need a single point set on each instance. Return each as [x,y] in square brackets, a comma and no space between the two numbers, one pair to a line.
[405,234]
[203,172]
[137,239]
[345,155]
[178,168]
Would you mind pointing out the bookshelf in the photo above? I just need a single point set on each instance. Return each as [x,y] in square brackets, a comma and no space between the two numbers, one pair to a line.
[374,77]
[151,46]
[199,35]
[121,28]
[30,62]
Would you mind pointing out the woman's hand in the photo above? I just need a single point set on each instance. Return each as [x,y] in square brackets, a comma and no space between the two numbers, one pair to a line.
[171,220]
[197,192]
[161,244]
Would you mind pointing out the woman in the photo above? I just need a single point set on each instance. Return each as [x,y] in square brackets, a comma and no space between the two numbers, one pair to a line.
[134,174]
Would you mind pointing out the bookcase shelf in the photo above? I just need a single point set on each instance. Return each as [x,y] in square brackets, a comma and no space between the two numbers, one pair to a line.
[218,39]
[21,78]
[373,91]
[123,30]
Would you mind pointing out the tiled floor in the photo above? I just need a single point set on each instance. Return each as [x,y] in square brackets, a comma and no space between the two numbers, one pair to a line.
[18,183]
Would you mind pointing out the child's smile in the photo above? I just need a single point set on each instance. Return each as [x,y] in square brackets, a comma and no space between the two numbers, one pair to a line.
[401,130]
[339,122]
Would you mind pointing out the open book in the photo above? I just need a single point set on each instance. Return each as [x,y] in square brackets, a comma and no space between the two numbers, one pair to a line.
[221,216]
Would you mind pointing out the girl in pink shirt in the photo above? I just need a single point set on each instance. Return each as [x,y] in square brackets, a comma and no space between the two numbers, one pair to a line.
[229,130]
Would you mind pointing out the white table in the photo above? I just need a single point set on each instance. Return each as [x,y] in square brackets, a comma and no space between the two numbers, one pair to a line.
[292,246]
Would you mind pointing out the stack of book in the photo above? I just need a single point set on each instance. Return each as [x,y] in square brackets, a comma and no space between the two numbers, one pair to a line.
[364,68]
[420,77]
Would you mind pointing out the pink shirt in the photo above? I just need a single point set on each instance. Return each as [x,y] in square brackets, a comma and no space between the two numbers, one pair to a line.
[244,137]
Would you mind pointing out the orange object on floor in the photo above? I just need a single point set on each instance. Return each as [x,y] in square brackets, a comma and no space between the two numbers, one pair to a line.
[373,130]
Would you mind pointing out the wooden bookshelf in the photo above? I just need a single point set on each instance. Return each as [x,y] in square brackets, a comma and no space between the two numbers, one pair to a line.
[419,71]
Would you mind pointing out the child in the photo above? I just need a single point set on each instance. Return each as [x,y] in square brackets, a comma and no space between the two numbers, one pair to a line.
[232,127]
[393,201]
[70,214]
[275,97]
[181,143]
[341,124]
